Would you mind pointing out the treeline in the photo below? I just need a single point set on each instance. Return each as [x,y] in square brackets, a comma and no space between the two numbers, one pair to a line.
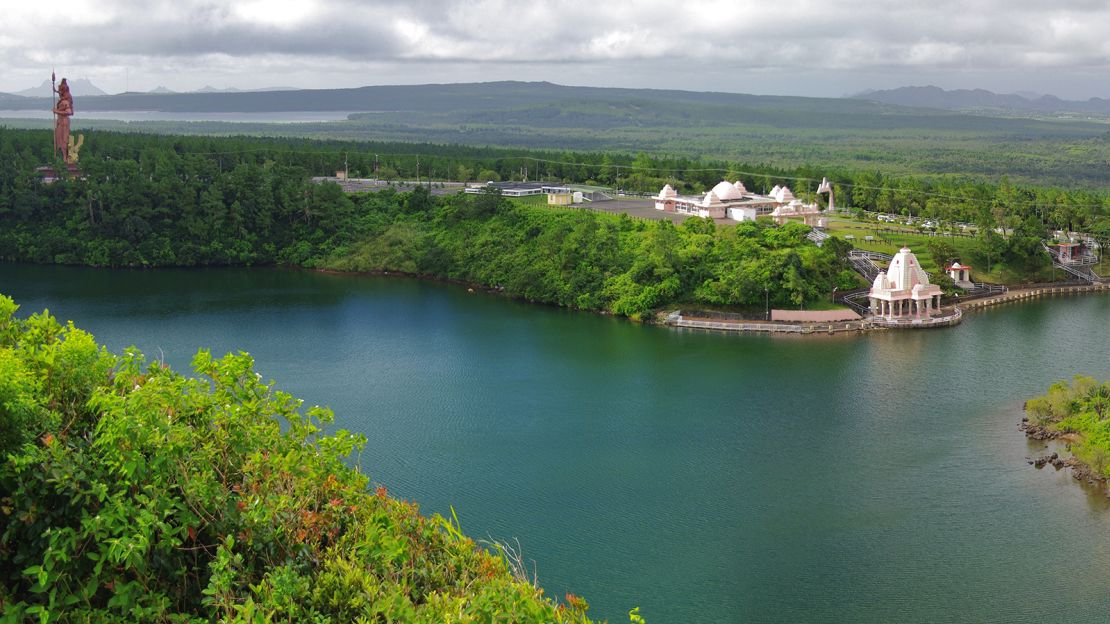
[133,493]
[187,201]
[155,201]
[953,197]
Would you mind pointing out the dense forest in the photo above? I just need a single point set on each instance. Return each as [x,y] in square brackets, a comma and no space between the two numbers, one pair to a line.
[591,261]
[833,133]
[133,493]
[186,201]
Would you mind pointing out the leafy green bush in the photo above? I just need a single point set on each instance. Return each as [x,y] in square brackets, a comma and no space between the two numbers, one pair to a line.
[1081,407]
[130,492]
[595,261]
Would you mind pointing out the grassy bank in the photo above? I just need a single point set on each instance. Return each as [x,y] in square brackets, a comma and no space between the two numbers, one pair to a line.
[1004,268]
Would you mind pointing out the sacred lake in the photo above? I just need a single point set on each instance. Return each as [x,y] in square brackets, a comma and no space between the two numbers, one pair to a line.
[702,477]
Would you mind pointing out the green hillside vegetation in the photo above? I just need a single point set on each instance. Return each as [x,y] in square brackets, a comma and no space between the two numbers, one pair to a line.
[589,260]
[171,209]
[200,159]
[130,492]
[1083,408]
[187,201]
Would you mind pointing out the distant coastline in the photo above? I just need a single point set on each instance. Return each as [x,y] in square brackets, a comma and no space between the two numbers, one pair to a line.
[134,116]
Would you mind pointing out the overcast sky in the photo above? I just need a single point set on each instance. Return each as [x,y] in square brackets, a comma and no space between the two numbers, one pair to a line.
[794,47]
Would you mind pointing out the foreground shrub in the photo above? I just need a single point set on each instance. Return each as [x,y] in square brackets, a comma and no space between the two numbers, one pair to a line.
[130,492]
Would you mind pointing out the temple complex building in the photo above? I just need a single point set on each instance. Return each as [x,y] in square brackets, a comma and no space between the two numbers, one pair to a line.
[903,291]
[732,201]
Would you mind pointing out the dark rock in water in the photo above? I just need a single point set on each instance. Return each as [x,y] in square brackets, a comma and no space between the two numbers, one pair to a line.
[1033,431]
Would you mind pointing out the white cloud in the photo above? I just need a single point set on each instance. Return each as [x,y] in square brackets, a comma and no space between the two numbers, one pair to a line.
[185,43]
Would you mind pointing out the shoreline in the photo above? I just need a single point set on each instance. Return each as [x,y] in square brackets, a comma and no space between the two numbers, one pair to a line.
[954,313]
[1024,292]
[471,287]
[1080,471]
[666,317]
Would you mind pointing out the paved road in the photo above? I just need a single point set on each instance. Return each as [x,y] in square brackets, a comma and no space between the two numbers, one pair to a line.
[642,208]
[365,185]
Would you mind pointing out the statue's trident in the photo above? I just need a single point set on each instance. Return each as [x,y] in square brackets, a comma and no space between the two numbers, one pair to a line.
[53,106]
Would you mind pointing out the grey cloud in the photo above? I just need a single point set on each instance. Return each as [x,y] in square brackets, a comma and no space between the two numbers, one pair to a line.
[648,35]
[207,29]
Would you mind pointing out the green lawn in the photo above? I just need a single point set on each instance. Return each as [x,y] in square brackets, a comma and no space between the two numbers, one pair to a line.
[890,238]
[1103,268]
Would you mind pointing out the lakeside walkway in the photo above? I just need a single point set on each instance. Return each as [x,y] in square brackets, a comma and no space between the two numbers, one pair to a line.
[1034,292]
[951,315]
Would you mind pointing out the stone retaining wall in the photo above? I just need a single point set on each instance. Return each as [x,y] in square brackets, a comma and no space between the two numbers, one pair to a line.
[675,319]
[1034,293]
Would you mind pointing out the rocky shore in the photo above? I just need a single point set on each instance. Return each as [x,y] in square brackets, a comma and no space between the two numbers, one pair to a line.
[1079,470]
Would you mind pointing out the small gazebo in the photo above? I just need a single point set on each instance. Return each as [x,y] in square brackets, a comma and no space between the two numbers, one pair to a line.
[960,273]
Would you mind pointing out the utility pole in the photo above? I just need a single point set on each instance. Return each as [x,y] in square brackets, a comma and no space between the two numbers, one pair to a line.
[418,170]
[346,169]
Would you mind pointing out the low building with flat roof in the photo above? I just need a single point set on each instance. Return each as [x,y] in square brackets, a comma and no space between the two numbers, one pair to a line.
[519,189]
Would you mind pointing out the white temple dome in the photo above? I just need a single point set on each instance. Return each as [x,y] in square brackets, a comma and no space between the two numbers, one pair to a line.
[668,191]
[905,271]
[726,191]
[740,186]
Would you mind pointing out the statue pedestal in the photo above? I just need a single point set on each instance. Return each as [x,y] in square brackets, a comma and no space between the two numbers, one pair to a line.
[49,174]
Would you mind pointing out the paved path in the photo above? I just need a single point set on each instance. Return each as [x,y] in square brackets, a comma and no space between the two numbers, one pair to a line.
[642,208]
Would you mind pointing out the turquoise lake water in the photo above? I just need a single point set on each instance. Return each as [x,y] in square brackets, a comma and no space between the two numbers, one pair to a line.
[702,477]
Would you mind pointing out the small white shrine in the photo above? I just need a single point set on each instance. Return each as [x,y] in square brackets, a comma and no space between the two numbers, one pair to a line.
[903,291]
[960,273]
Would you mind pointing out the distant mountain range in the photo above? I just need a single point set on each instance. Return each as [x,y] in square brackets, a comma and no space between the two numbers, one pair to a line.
[461,98]
[983,100]
[508,94]
[79,87]
[82,87]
